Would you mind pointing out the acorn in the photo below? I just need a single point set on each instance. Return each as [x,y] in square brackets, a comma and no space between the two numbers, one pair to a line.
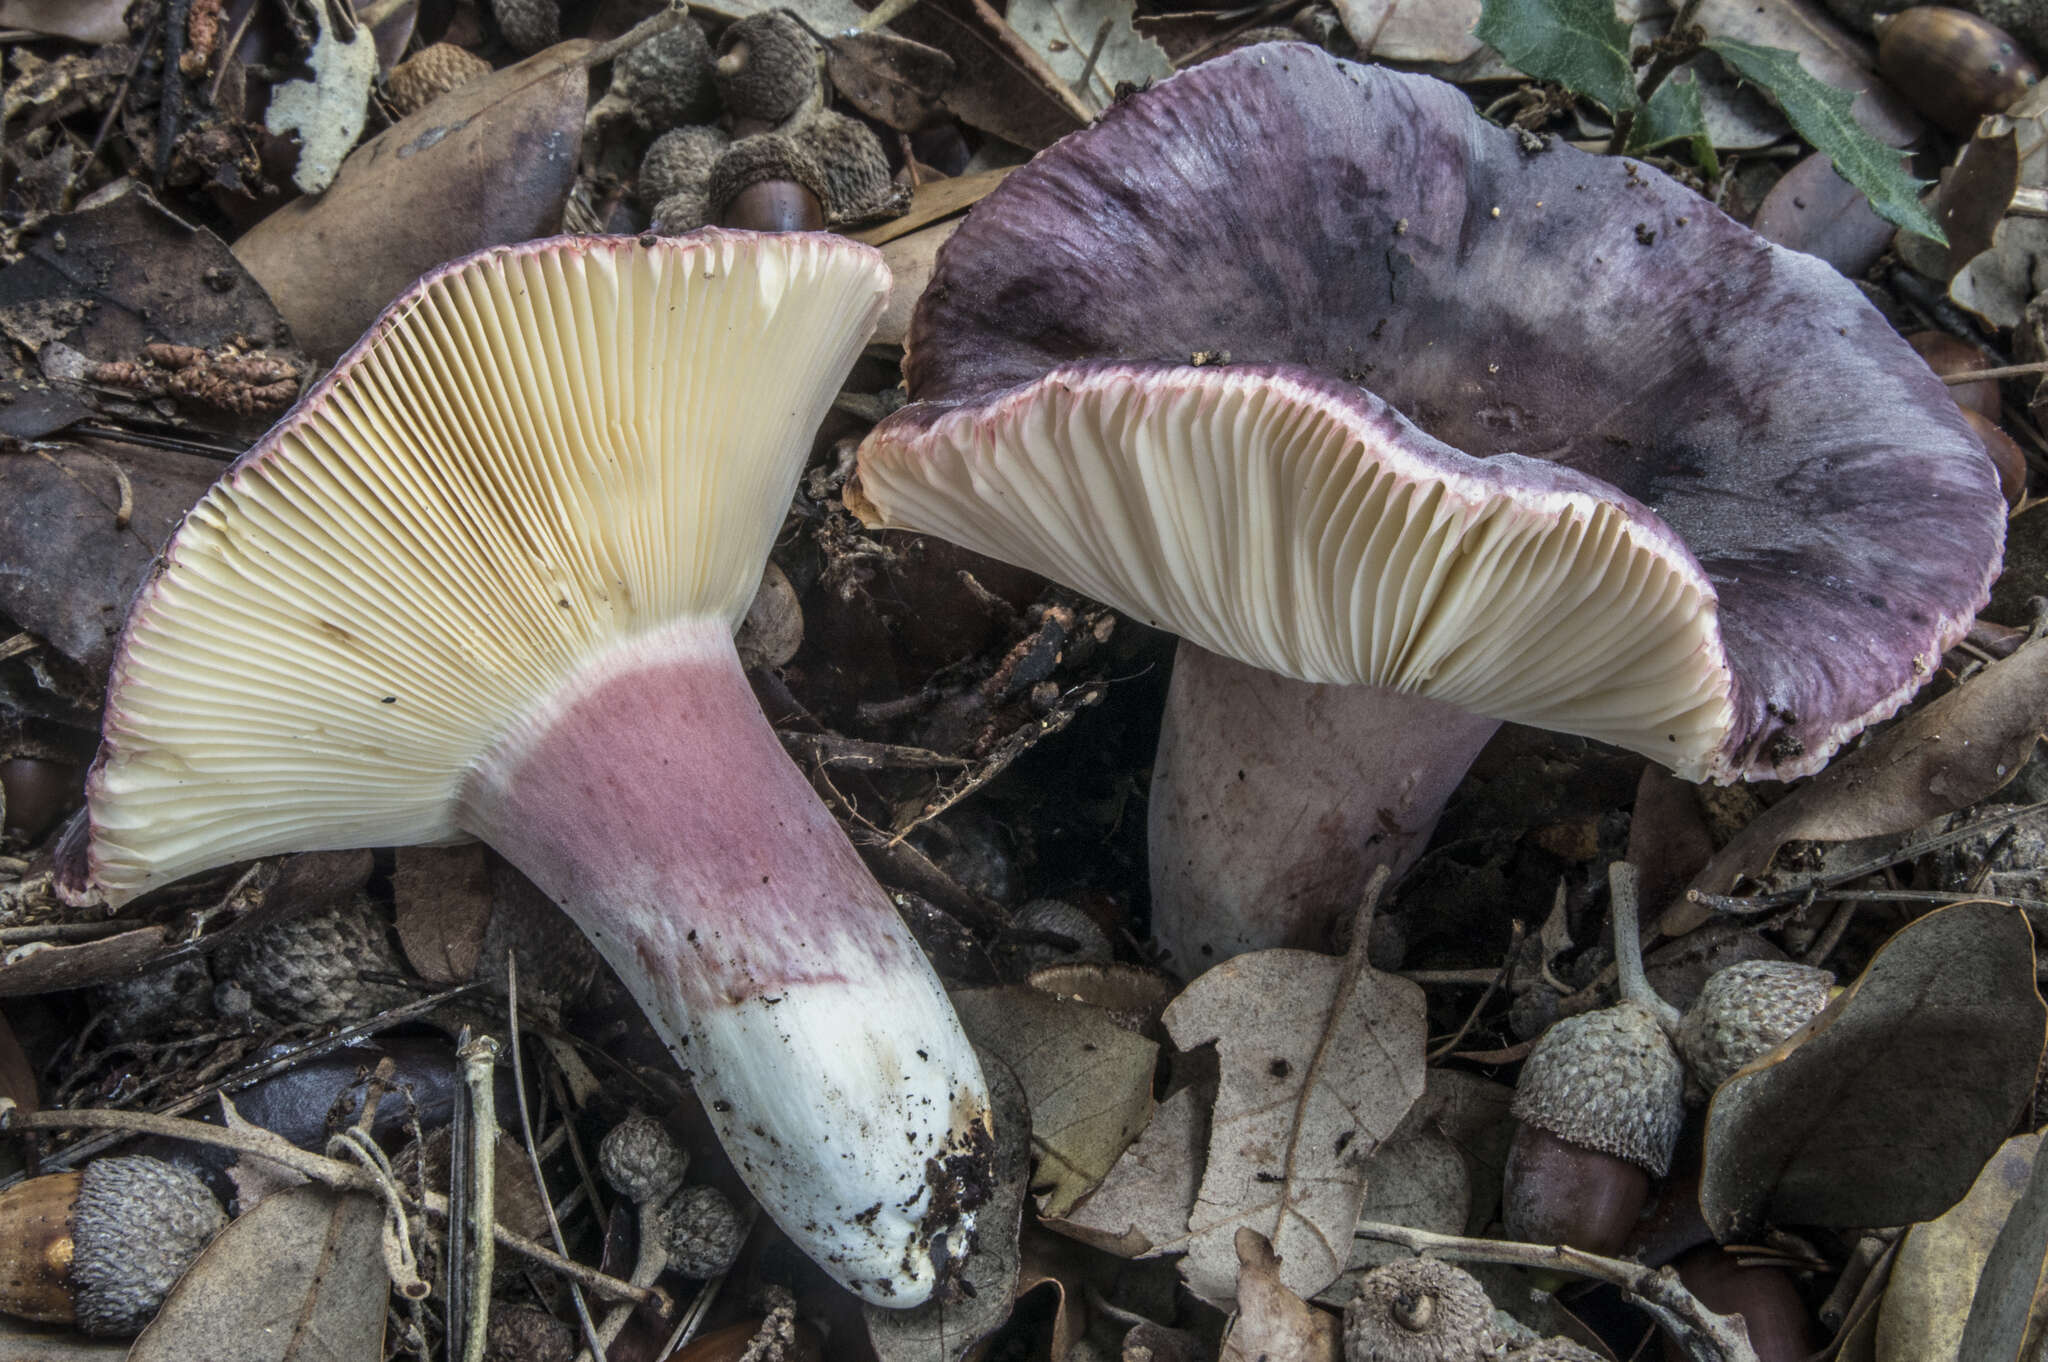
[1599,1105]
[35,792]
[859,186]
[1951,65]
[101,1248]
[768,183]
[1420,1310]
[529,25]
[703,1231]
[1780,1327]
[320,967]
[767,70]
[664,82]
[1744,1011]
[1951,355]
[2004,453]
[431,72]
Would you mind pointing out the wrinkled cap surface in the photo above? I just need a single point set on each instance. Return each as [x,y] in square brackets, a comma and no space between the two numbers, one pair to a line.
[1344,239]
[537,453]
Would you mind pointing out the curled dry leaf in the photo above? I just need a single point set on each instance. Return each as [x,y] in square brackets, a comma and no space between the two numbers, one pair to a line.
[944,1330]
[2009,1315]
[1142,1207]
[1321,1058]
[1934,1277]
[1272,1321]
[428,189]
[1088,1080]
[1092,39]
[1946,756]
[298,1279]
[1882,1111]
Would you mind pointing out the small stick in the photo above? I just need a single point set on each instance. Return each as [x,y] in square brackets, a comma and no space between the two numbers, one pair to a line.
[479,1057]
[2037,367]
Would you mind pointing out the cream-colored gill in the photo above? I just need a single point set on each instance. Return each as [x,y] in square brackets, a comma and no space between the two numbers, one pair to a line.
[1270,522]
[538,452]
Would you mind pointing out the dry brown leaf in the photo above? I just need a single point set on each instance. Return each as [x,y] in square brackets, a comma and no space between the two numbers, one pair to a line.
[1935,1275]
[429,189]
[1146,1199]
[1321,1058]
[1088,1080]
[1092,36]
[1001,86]
[1271,1321]
[910,260]
[1815,210]
[298,1279]
[84,21]
[933,201]
[1412,30]
[1947,756]
[890,79]
[1885,1107]
[443,901]
[2009,1316]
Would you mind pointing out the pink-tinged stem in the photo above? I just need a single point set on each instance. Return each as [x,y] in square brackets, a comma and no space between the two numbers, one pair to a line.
[652,801]
[1273,800]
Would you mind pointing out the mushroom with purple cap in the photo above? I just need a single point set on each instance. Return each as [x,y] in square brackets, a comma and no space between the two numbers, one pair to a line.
[482,581]
[1408,425]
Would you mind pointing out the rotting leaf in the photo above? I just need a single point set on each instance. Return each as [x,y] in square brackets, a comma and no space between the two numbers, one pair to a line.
[327,112]
[1412,30]
[1321,1058]
[1088,1080]
[935,200]
[1272,1321]
[298,1279]
[1883,1110]
[1935,1274]
[1002,86]
[1141,1207]
[1092,38]
[431,187]
[1947,756]
[442,898]
[2009,1314]
[889,78]
[942,1330]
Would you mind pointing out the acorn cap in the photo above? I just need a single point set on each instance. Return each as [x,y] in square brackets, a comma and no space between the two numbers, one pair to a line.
[1607,1081]
[529,25]
[139,1224]
[641,1160]
[679,160]
[319,967]
[1419,1310]
[681,213]
[1744,1011]
[767,67]
[858,182]
[431,72]
[704,1231]
[666,81]
[755,160]
[1064,919]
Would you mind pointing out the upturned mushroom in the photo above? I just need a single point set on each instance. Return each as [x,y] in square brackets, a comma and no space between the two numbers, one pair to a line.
[1407,425]
[482,582]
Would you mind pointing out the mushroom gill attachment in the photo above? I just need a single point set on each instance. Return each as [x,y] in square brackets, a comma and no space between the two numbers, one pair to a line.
[1381,398]
[483,582]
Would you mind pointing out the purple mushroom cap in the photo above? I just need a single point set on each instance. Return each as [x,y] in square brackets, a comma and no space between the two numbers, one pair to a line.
[1362,232]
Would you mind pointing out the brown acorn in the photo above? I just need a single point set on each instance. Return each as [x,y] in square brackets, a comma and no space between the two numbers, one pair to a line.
[1420,1310]
[768,183]
[431,72]
[101,1248]
[1780,1327]
[1951,65]
[1599,1105]
[1951,355]
[1744,1011]
[2005,455]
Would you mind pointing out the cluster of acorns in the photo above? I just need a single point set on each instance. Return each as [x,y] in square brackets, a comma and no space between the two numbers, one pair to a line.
[1601,1099]
[777,161]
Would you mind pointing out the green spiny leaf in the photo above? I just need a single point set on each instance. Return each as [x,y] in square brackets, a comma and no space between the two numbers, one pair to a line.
[1819,113]
[1673,114]
[1580,44]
